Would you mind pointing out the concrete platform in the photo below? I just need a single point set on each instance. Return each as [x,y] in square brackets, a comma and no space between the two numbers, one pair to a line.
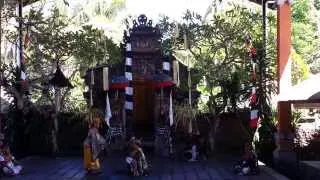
[40,168]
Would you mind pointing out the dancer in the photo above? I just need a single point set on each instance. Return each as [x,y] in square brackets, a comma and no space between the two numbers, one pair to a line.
[249,163]
[8,165]
[136,158]
[94,144]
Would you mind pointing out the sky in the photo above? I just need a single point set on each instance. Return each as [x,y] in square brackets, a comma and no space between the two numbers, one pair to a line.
[153,8]
[172,8]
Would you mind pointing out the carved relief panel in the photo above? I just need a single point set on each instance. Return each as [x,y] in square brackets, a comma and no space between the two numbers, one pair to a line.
[143,67]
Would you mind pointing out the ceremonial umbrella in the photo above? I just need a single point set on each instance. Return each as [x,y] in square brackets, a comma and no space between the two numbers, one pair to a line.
[59,79]
[119,82]
[161,80]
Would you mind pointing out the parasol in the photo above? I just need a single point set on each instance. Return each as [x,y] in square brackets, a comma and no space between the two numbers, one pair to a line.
[161,80]
[59,79]
[119,82]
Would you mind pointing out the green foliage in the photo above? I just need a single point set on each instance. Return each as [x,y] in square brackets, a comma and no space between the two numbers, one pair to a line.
[32,134]
[317,4]
[96,11]
[300,69]
[266,142]
[305,32]
[219,44]
[304,38]
[53,42]
[300,9]
[92,48]
[296,115]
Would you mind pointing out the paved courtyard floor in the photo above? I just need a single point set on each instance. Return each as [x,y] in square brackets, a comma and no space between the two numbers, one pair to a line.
[40,168]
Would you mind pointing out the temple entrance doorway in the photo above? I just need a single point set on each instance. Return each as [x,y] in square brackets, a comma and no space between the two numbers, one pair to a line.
[143,111]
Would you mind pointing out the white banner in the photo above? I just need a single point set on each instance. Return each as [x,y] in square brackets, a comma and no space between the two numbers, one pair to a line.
[166,66]
[128,75]
[129,91]
[128,48]
[129,61]
[171,110]
[105,74]
[128,105]
[108,113]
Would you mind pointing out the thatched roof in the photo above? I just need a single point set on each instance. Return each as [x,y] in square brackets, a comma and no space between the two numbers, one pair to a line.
[27,2]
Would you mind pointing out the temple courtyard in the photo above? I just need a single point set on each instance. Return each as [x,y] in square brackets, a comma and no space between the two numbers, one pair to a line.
[219,167]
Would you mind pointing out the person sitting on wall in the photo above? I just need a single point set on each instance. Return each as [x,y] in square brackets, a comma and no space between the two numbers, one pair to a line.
[8,165]
[94,145]
[249,163]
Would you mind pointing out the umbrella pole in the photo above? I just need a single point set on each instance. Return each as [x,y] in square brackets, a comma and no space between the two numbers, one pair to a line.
[189,86]
[117,93]
[161,95]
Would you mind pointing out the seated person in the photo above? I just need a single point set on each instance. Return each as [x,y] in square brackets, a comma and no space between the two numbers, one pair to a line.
[249,163]
[136,158]
[8,164]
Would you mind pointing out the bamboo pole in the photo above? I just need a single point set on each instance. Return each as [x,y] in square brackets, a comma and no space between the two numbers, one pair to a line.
[1,3]
[20,7]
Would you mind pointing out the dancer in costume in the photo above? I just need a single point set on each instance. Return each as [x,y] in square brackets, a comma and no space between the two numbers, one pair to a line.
[94,144]
[8,165]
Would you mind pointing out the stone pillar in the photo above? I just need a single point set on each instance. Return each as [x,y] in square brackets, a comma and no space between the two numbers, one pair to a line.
[284,136]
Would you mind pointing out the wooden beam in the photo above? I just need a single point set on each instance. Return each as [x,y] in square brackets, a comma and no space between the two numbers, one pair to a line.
[285,134]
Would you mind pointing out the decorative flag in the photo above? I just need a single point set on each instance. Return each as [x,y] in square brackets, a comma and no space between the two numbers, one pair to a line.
[252,53]
[92,77]
[185,38]
[108,113]
[27,38]
[105,74]
[190,127]
[189,86]
[254,118]
[253,97]
[254,72]
[20,63]
[128,75]
[166,66]
[91,88]
[176,77]
[176,31]
[171,110]
[91,99]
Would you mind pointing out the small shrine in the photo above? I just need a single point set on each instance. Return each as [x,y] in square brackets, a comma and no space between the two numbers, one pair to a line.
[137,92]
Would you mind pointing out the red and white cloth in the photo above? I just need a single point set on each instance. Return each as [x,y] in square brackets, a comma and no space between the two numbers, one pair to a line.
[254,113]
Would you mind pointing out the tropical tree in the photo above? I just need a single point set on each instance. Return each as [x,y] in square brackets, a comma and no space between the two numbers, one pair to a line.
[53,44]
[94,48]
[305,37]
